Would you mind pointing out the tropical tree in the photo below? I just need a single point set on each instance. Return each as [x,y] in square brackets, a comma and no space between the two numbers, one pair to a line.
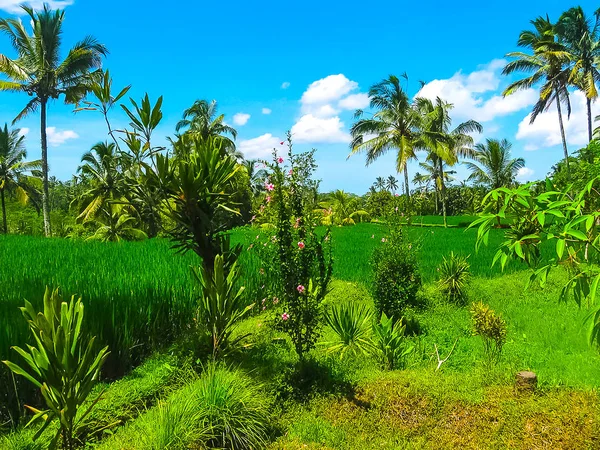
[256,175]
[100,170]
[39,72]
[392,183]
[433,176]
[443,143]
[345,209]
[380,183]
[393,127]
[115,225]
[201,120]
[493,166]
[13,169]
[547,63]
[581,37]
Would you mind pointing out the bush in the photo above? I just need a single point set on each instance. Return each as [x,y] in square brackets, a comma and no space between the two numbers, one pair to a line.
[351,323]
[396,278]
[454,276]
[391,346]
[491,328]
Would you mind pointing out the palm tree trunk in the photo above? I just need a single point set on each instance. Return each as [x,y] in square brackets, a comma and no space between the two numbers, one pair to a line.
[406,186]
[443,186]
[562,132]
[5,225]
[589,117]
[45,194]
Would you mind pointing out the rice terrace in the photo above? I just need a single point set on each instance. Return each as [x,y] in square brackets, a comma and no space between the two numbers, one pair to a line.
[335,255]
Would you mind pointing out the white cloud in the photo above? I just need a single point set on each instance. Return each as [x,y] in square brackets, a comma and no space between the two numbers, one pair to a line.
[525,174]
[545,131]
[354,101]
[260,147]
[285,85]
[266,111]
[328,89]
[241,118]
[24,131]
[311,129]
[14,6]
[470,94]
[57,138]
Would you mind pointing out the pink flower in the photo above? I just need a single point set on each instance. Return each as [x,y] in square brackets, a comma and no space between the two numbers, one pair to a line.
[291,172]
[301,245]
[397,195]
[382,239]
[396,209]
[300,289]
[280,160]
[264,307]
[285,316]
[269,186]
[281,143]
[253,219]
[263,301]
[268,199]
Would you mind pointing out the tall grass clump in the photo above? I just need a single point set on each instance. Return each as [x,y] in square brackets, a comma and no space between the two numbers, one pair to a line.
[454,277]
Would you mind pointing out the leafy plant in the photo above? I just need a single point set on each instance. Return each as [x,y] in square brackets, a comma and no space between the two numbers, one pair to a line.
[491,328]
[391,346]
[63,364]
[454,276]
[351,324]
[396,279]
[222,305]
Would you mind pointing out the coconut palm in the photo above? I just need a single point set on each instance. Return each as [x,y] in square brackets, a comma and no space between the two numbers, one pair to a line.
[39,72]
[392,183]
[547,63]
[101,169]
[380,183]
[201,119]
[581,37]
[431,176]
[256,176]
[13,169]
[493,166]
[393,127]
[445,145]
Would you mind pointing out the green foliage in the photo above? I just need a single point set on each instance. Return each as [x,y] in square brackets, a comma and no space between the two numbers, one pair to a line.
[296,260]
[197,191]
[563,219]
[62,364]
[351,323]
[396,278]
[390,343]
[454,276]
[222,305]
[491,328]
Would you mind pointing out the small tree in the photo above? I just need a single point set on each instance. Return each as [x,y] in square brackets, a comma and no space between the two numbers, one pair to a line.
[63,364]
[492,330]
[296,259]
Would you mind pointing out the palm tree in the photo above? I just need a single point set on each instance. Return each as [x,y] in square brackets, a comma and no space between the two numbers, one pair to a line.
[547,65]
[393,127]
[392,183]
[13,169]
[256,176]
[380,183]
[493,166]
[201,119]
[116,225]
[100,169]
[432,176]
[344,208]
[39,72]
[444,145]
[581,37]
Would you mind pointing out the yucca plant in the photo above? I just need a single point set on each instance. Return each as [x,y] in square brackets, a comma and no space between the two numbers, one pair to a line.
[351,324]
[454,277]
[390,344]
[63,364]
[222,305]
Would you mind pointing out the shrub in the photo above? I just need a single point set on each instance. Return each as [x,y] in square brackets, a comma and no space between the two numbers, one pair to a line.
[396,278]
[390,343]
[454,276]
[222,305]
[491,328]
[351,323]
[63,365]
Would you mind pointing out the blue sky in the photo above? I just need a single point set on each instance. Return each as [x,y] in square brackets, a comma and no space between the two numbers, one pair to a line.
[304,66]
